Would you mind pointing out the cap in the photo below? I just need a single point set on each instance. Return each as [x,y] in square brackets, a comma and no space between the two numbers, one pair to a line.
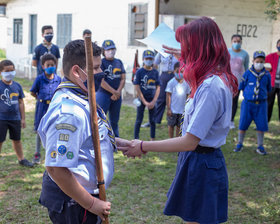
[148,54]
[108,44]
[259,54]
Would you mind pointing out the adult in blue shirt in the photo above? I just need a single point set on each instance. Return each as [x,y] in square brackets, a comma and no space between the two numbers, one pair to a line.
[108,95]
[46,47]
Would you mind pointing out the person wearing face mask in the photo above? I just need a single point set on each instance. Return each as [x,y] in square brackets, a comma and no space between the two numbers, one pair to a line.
[239,63]
[274,61]
[177,91]
[147,86]
[43,89]
[46,47]
[12,114]
[255,84]
[108,95]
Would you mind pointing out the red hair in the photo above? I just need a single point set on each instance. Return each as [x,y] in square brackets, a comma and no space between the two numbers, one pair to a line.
[204,53]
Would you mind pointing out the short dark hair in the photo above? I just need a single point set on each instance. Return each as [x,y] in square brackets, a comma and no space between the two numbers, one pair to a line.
[86,31]
[236,35]
[278,42]
[46,28]
[74,54]
[177,65]
[4,63]
[47,57]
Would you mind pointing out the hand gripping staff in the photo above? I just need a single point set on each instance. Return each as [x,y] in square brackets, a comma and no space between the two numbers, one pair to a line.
[93,121]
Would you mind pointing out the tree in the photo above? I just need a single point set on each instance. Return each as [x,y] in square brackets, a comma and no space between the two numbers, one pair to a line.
[273,9]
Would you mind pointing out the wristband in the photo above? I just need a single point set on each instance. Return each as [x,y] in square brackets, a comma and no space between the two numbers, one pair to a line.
[141,148]
[91,204]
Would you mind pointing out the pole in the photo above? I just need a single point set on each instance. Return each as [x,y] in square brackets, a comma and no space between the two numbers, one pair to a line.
[156,13]
[93,121]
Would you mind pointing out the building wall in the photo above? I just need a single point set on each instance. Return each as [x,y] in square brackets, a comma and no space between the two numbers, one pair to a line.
[3,32]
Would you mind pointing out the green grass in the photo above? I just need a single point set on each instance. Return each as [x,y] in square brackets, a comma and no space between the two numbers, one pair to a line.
[138,191]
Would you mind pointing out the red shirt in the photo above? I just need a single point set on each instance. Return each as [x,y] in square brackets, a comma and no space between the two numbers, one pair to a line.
[273,59]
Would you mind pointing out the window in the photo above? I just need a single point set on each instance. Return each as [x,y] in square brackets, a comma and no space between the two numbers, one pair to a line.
[17,31]
[2,10]
[138,15]
[64,29]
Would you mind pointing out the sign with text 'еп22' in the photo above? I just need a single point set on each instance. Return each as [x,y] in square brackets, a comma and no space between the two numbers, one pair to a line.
[162,35]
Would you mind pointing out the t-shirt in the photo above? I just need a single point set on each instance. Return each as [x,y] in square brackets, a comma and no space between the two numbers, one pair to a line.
[9,105]
[277,76]
[179,92]
[42,49]
[239,62]
[44,87]
[148,82]
[113,70]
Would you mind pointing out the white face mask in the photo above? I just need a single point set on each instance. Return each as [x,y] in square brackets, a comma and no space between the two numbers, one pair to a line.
[258,66]
[8,76]
[110,53]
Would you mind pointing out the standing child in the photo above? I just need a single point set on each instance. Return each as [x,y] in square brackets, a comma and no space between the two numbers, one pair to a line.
[108,95]
[177,91]
[12,114]
[147,88]
[43,89]
[256,84]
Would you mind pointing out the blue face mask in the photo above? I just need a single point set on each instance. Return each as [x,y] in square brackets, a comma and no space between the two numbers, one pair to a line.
[148,63]
[236,46]
[48,37]
[178,75]
[50,70]
[278,48]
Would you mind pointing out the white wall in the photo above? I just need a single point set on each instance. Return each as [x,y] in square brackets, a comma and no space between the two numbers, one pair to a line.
[3,32]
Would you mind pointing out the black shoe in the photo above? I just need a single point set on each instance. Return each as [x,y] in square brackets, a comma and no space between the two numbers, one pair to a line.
[26,163]
[37,158]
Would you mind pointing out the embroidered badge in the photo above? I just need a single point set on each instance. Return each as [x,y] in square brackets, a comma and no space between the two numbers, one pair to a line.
[61,150]
[66,126]
[53,154]
[63,137]
[70,155]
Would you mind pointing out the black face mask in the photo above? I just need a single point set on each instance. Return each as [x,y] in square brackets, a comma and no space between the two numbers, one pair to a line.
[48,37]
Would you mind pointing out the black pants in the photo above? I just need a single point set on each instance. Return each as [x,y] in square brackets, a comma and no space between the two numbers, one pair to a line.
[234,105]
[271,99]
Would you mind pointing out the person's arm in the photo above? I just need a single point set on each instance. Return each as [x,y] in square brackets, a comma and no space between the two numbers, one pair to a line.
[246,62]
[107,87]
[34,63]
[22,112]
[70,186]
[168,103]
[122,83]
[33,94]
[153,102]
[140,95]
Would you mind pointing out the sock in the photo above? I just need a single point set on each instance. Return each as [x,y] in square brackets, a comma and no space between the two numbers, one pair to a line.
[260,136]
[241,137]
[38,144]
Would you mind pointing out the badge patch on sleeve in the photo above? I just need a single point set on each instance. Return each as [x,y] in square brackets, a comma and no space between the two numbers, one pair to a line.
[53,154]
[62,150]
[64,137]
[70,155]
[66,126]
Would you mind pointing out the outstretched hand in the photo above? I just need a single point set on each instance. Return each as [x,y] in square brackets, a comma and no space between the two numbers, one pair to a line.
[133,149]
[175,52]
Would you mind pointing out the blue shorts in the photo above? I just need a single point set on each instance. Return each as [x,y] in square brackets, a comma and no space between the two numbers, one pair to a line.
[251,111]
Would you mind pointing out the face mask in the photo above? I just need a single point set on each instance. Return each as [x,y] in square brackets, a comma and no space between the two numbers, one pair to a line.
[110,53]
[236,46]
[178,75]
[8,76]
[258,66]
[148,63]
[48,37]
[278,48]
[50,70]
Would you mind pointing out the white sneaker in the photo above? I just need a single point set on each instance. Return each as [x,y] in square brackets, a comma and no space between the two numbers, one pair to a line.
[232,126]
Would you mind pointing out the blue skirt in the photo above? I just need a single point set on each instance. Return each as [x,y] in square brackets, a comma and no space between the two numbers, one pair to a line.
[199,192]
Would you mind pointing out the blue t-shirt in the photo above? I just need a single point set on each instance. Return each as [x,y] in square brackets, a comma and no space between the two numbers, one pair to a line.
[248,84]
[9,105]
[148,82]
[44,87]
[42,49]
[113,70]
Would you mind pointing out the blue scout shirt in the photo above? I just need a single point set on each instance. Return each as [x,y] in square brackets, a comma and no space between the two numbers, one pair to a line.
[113,69]
[249,82]
[148,82]
[42,49]
[66,135]
[208,113]
[9,96]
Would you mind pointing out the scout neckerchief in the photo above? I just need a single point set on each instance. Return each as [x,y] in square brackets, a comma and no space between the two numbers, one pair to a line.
[48,47]
[101,115]
[257,87]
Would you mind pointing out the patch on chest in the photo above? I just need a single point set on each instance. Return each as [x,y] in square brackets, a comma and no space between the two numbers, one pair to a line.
[64,137]
[66,126]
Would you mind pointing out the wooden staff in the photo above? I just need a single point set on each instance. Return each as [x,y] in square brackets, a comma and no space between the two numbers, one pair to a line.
[93,121]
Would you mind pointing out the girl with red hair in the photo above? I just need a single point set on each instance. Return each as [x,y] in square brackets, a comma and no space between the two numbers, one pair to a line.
[199,192]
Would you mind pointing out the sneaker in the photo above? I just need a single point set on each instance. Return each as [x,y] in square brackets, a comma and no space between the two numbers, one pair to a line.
[26,163]
[238,147]
[261,150]
[37,158]
[146,125]
[232,126]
